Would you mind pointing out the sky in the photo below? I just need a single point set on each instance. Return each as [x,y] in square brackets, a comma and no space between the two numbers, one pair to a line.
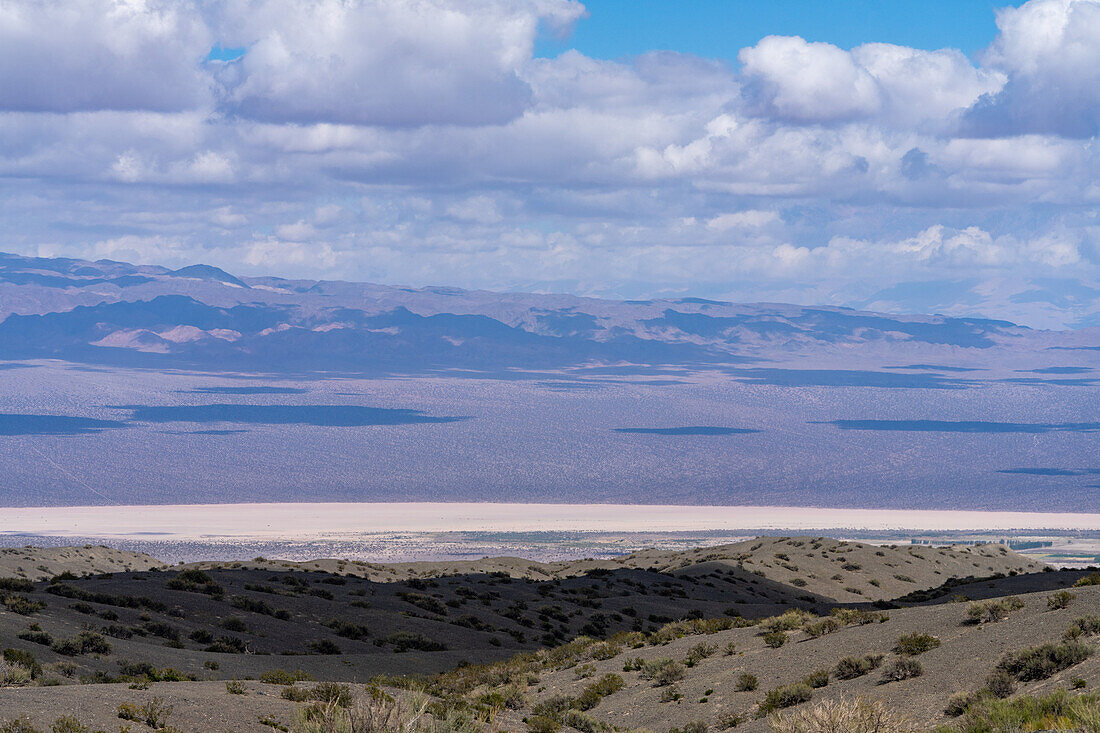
[905,156]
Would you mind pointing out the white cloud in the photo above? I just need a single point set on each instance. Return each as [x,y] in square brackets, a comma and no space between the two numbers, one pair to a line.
[1051,53]
[388,62]
[419,141]
[102,54]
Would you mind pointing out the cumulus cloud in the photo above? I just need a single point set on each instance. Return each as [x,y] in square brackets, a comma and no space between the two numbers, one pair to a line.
[1050,52]
[388,62]
[792,79]
[62,56]
[418,141]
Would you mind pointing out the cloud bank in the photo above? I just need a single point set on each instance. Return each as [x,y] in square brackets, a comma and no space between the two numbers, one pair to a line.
[421,141]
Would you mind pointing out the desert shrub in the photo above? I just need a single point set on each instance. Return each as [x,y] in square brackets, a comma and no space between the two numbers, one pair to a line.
[424,602]
[689,627]
[1084,626]
[986,612]
[784,697]
[858,617]
[818,678]
[13,674]
[348,629]
[405,640]
[583,722]
[153,713]
[1042,661]
[227,645]
[234,687]
[22,605]
[958,703]
[331,693]
[1061,599]
[671,694]
[849,668]
[606,650]
[1056,711]
[553,707]
[327,646]
[788,621]
[592,694]
[24,659]
[746,682]
[202,636]
[283,677]
[699,652]
[543,724]
[903,669]
[1090,579]
[821,627]
[16,585]
[36,635]
[775,639]
[86,642]
[1000,683]
[68,724]
[662,672]
[195,581]
[841,716]
[379,713]
[294,694]
[911,645]
[233,623]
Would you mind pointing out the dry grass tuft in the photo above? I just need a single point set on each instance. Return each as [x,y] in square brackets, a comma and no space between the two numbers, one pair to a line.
[841,716]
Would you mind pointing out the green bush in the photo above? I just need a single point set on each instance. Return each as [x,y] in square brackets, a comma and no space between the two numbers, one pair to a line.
[784,697]
[911,645]
[592,694]
[1000,683]
[903,669]
[22,605]
[849,668]
[824,626]
[1056,711]
[985,612]
[1042,661]
[818,678]
[746,682]
[775,639]
[86,642]
[1061,599]
[662,672]
[234,687]
[68,724]
[1090,579]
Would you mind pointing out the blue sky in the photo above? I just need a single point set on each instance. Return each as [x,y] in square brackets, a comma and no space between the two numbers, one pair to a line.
[721,28]
[902,156]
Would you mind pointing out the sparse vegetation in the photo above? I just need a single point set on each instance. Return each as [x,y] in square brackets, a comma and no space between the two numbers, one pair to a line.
[903,669]
[784,697]
[841,716]
[911,645]
[992,611]
[849,668]
[1042,661]
[1061,599]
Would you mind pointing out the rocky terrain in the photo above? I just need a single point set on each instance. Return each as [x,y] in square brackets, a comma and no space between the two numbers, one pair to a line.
[711,638]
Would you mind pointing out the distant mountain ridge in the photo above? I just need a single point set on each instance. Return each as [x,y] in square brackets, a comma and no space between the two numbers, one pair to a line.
[201,316]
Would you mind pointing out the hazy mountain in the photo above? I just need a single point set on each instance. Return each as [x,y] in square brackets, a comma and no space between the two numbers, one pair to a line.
[142,384]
